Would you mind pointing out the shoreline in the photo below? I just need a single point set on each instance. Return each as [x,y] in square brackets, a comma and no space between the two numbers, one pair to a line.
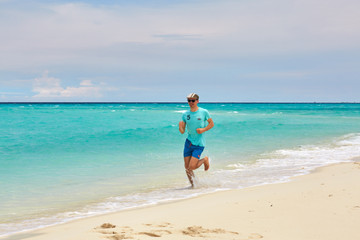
[321,205]
[176,102]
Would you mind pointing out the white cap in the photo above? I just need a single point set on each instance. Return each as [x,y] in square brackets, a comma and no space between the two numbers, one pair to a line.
[193,95]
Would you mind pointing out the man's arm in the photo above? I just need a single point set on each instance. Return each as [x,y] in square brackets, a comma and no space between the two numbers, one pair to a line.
[182,127]
[207,128]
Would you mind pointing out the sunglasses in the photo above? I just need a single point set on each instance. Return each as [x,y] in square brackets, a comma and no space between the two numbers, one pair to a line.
[190,100]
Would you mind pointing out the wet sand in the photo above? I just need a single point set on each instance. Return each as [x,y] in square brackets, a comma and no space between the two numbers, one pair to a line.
[323,205]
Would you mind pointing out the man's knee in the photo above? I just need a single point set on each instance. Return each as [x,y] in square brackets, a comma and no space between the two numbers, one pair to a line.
[187,162]
[186,166]
[193,163]
[191,167]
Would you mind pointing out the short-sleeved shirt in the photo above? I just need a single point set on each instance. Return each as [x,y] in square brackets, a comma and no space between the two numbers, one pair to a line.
[195,120]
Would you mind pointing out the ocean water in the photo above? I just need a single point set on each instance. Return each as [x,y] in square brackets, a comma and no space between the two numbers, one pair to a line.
[60,162]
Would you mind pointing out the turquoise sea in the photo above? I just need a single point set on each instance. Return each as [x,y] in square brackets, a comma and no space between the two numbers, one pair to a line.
[64,161]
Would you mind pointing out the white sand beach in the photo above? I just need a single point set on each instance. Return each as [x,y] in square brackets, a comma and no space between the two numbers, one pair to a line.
[323,205]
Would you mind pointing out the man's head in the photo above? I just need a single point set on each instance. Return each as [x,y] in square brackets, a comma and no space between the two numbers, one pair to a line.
[193,98]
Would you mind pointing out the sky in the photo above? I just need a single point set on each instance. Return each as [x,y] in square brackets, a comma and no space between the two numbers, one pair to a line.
[160,51]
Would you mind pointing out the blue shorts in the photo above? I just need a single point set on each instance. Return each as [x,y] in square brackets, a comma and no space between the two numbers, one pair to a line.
[192,150]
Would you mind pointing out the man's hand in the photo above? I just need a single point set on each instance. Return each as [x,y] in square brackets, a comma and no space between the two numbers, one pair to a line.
[200,130]
[182,127]
[207,128]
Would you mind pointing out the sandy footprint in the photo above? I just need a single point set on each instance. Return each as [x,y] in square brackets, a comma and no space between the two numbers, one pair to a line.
[154,230]
[107,225]
[150,234]
[106,228]
[156,233]
[164,225]
[118,237]
[161,225]
[199,231]
[112,232]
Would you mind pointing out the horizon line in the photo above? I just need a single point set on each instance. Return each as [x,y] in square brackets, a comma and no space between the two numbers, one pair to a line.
[175,102]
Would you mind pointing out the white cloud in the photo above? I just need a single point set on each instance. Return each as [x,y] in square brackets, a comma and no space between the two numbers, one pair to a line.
[50,88]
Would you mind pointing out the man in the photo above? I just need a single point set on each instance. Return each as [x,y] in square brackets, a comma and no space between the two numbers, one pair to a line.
[197,120]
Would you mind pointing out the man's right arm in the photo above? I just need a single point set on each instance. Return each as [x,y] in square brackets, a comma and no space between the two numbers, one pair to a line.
[182,125]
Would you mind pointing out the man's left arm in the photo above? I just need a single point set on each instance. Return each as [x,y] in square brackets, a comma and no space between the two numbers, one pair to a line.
[207,128]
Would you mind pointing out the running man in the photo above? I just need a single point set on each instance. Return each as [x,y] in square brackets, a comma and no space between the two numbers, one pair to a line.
[197,120]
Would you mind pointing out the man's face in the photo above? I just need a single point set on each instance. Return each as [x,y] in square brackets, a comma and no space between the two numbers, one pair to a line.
[192,102]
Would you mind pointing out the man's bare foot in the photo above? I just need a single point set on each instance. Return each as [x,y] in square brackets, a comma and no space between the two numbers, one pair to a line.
[206,163]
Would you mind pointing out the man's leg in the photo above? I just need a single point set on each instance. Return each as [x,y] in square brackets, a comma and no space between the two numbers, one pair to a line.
[189,173]
[196,163]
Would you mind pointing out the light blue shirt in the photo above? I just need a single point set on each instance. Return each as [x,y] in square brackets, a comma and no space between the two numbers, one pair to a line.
[195,120]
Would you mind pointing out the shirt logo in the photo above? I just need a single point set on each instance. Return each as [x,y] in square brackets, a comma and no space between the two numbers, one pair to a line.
[199,118]
[188,117]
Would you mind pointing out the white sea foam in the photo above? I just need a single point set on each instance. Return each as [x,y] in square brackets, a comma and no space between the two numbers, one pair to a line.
[282,164]
[272,167]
